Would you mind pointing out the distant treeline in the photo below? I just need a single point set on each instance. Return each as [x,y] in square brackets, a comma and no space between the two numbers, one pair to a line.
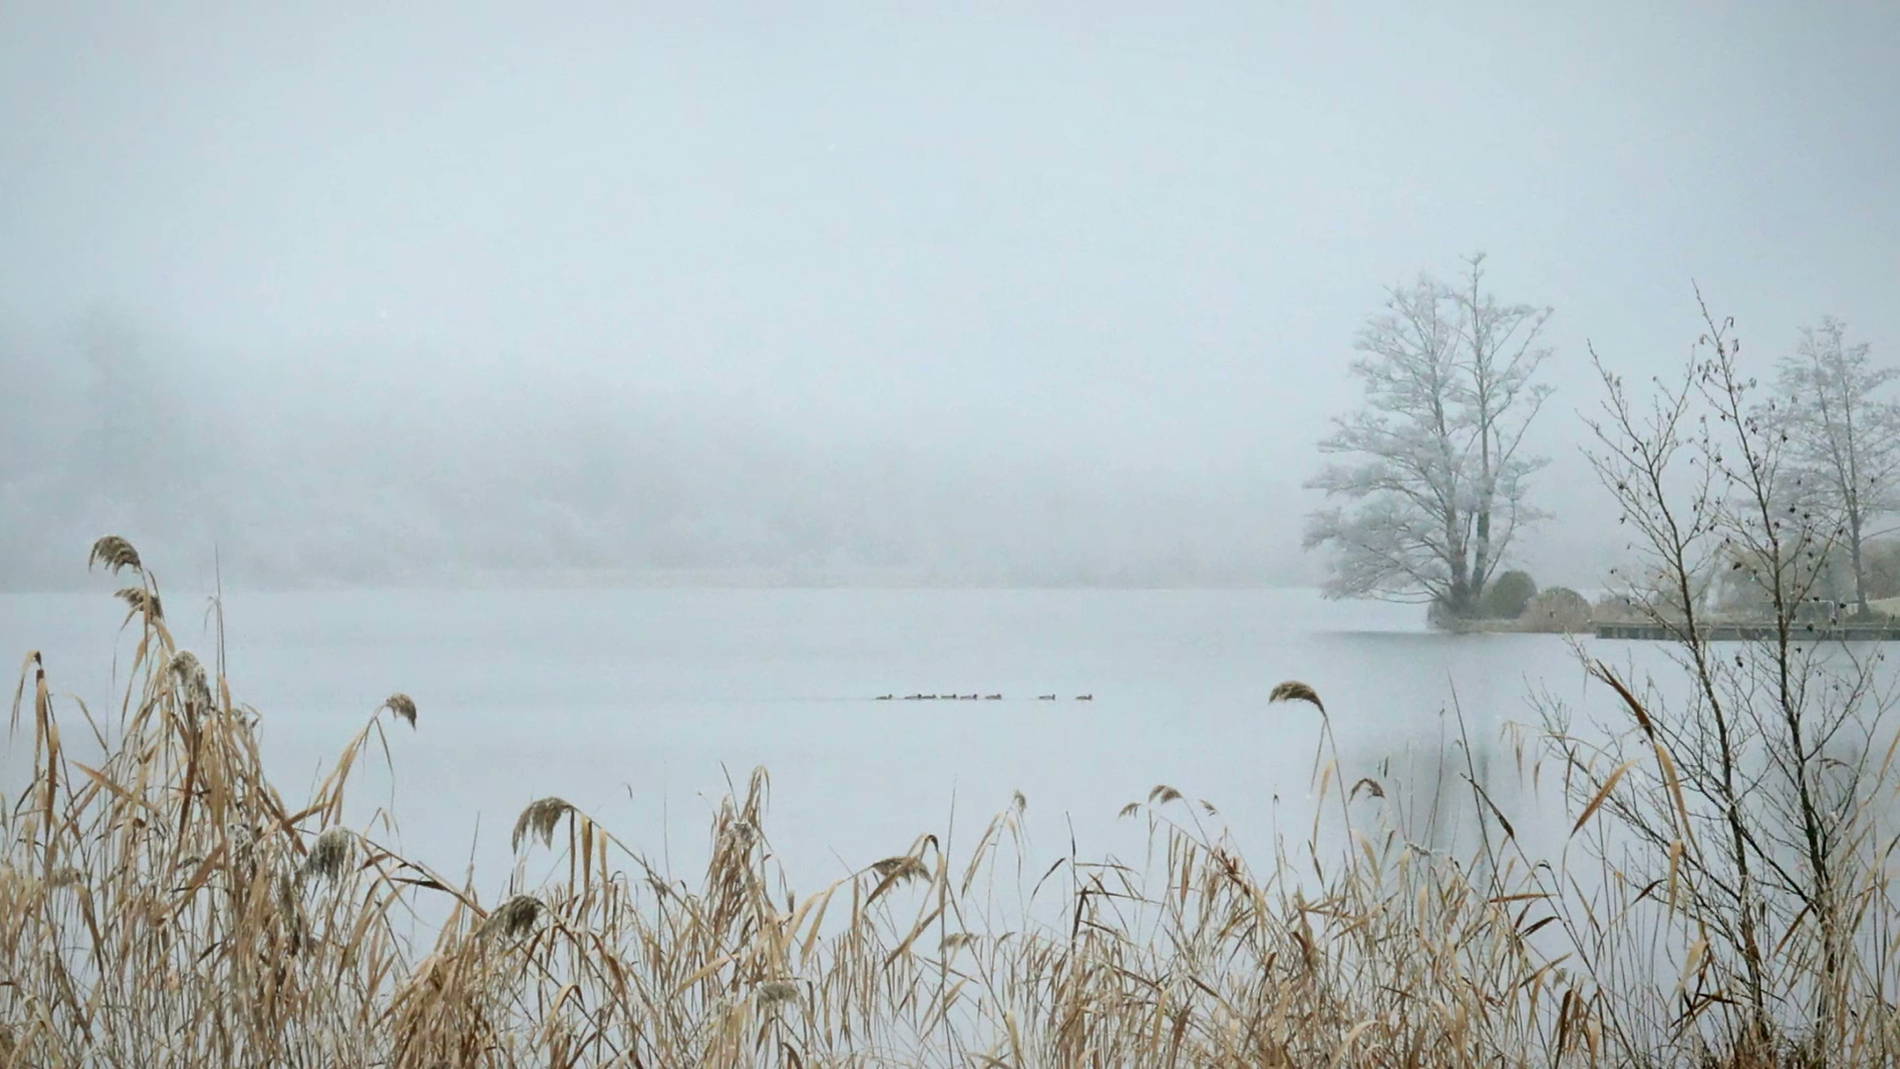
[321,472]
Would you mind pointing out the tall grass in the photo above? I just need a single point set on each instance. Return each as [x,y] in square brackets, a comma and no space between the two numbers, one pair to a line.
[172,906]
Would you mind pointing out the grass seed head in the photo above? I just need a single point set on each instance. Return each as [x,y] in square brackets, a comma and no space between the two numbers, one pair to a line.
[775,991]
[403,706]
[1295,691]
[899,869]
[1369,785]
[191,676]
[331,855]
[515,917]
[140,600]
[539,820]
[113,554]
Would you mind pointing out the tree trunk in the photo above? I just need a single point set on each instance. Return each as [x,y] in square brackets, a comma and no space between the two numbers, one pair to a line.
[1860,570]
[1483,562]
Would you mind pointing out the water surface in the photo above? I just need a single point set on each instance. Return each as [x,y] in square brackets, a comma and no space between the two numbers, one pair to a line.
[638,704]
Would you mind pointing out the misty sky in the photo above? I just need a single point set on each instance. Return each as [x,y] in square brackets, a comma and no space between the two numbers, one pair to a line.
[997,296]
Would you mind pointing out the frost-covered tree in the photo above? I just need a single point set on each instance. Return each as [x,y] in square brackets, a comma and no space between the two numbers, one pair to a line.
[1430,470]
[1842,437]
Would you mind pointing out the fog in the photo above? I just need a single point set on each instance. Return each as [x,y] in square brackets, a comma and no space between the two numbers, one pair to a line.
[637,293]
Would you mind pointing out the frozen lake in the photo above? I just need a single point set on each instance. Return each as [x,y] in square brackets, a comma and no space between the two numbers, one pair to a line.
[636,704]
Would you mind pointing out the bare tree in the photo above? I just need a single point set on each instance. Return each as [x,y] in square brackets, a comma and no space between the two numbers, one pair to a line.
[1843,440]
[1741,806]
[1436,480]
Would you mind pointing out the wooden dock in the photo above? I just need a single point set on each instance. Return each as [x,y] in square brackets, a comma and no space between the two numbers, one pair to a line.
[1803,631]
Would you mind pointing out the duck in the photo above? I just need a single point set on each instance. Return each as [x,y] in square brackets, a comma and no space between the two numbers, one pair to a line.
[1085,697]
[966,697]
[927,697]
[992,697]
[913,697]
[884,697]
[1045,697]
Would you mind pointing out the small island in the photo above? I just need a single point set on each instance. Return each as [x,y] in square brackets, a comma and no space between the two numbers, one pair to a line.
[1731,617]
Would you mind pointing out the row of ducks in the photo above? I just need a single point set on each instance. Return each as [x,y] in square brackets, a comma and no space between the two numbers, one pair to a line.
[971,697]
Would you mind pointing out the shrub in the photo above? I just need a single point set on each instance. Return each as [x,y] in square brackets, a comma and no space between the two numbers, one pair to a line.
[1557,609]
[1881,561]
[1618,608]
[1507,595]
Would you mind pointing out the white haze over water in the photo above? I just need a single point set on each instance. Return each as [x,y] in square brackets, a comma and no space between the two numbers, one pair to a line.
[635,705]
[461,292]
